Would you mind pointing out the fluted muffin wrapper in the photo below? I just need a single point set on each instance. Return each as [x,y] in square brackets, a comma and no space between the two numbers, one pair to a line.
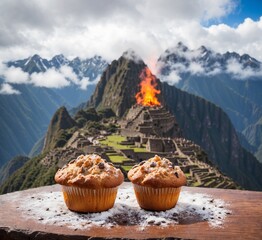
[89,200]
[156,199]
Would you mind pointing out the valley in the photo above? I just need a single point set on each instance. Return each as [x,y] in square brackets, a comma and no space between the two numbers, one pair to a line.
[195,133]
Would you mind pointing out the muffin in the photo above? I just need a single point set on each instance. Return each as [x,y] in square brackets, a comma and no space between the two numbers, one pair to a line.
[89,183]
[157,183]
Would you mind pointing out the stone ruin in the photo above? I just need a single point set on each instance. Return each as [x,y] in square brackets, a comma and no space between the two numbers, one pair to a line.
[149,121]
[155,129]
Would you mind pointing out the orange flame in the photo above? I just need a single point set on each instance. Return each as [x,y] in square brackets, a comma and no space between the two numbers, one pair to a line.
[148,92]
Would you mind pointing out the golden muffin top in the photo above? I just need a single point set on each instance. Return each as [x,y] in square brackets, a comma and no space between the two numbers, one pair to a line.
[157,172]
[89,171]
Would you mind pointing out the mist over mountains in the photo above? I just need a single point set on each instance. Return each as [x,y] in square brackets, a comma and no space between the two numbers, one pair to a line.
[230,80]
[41,86]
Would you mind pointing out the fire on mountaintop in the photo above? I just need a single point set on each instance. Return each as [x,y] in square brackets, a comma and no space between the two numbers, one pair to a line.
[148,92]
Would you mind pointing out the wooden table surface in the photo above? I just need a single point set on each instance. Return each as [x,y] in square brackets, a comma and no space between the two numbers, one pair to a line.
[244,222]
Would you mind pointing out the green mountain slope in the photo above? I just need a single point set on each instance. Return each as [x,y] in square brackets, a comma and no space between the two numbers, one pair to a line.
[253,134]
[201,121]
[13,165]
[24,118]
[231,95]
[209,126]
[40,170]
[57,135]
[32,174]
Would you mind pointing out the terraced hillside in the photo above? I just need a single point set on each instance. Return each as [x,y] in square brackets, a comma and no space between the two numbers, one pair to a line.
[123,153]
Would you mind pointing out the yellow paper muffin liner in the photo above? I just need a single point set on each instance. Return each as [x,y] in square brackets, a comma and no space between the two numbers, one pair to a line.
[156,199]
[89,200]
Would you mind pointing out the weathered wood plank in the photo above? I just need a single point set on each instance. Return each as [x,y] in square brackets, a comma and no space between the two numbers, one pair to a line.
[244,222]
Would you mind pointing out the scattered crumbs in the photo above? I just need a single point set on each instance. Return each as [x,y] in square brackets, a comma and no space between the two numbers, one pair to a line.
[191,208]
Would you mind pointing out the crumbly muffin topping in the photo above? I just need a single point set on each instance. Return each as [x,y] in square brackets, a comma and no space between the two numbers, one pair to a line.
[157,173]
[89,171]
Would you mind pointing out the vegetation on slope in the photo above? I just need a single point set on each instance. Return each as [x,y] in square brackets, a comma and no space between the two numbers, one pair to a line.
[10,167]
[32,174]
[201,121]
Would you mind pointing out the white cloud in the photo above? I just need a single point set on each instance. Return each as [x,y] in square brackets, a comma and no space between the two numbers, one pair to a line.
[239,72]
[246,38]
[132,55]
[86,82]
[88,27]
[172,78]
[7,89]
[16,75]
[232,67]
[178,62]
[50,79]
[69,74]
[196,68]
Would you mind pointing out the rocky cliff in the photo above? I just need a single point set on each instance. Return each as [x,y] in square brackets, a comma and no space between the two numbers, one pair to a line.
[201,121]
[118,85]
[56,134]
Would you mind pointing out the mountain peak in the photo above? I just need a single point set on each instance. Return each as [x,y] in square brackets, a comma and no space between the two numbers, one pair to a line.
[181,46]
[203,49]
[58,60]
[119,84]
[130,54]
[56,133]
[181,59]
[59,56]
[35,57]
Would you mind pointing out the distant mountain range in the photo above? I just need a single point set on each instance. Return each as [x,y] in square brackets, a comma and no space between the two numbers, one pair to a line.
[201,121]
[25,117]
[230,80]
[90,68]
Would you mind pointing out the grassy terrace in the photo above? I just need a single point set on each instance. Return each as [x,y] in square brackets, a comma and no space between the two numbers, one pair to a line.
[188,175]
[127,168]
[115,140]
[196,184]
[116,158]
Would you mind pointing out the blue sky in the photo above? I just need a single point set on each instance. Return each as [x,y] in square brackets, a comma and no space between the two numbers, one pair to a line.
[244,9]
